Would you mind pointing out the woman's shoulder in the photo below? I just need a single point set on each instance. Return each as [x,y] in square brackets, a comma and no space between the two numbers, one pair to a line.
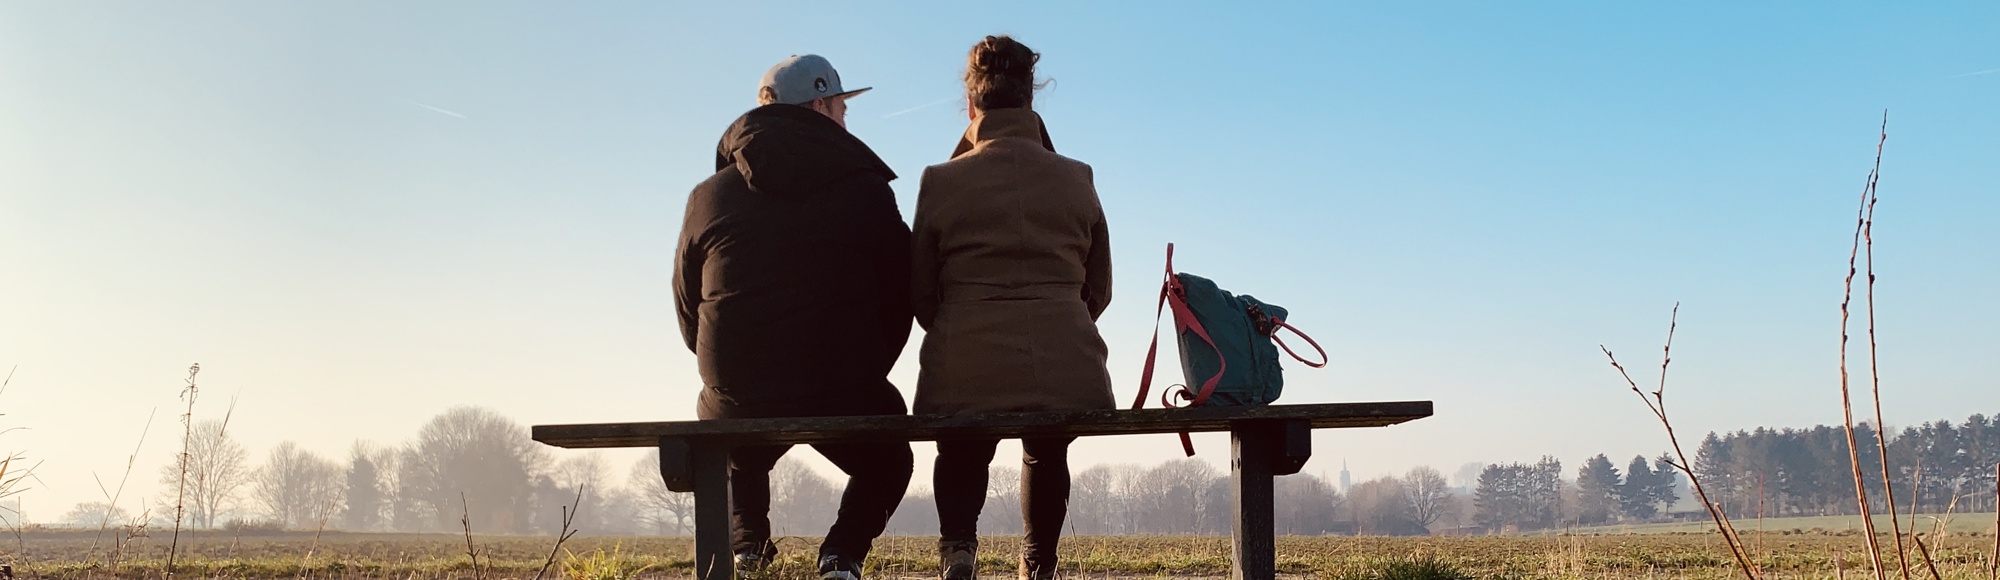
[989,161]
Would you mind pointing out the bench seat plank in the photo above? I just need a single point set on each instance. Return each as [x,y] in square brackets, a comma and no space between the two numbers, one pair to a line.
[979,426]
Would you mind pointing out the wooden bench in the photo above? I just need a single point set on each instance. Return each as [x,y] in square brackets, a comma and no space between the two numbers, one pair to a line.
[1266,441]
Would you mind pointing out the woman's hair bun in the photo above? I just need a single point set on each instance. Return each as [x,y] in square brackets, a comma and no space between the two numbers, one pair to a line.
[1000,73]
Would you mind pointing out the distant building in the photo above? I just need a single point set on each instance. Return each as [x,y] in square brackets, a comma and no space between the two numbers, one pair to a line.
[1346,480]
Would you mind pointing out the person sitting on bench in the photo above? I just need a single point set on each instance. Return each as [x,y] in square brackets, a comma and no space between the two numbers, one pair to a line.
[792,287]
[1012,267]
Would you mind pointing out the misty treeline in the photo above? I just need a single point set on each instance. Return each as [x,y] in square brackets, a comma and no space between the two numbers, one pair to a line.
[475,464]
[1937,466]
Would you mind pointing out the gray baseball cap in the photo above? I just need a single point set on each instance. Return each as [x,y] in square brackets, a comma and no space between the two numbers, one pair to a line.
[804,77]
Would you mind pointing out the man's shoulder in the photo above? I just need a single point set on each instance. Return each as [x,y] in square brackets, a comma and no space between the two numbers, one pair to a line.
[709,201]
[720,186]
[727,179]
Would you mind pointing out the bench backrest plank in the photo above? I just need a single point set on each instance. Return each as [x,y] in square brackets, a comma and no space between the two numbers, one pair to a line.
[980,426]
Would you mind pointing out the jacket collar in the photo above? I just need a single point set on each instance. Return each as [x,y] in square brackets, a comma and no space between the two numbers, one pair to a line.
[1013,123]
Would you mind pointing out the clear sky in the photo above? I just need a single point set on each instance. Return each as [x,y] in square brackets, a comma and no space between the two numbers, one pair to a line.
[355,215]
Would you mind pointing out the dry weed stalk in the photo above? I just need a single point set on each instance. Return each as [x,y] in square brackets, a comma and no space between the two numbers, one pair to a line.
[1658,405]
[12,475]
[1846,400]
[187,437]
[1917,483]
[1874,372]
[568,516]
[1993,561]
[111,498]
[465,519]
[11,478]
[305,564]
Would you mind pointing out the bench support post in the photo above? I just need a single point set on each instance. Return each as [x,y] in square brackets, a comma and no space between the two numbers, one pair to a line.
[703,468]
[1260,450]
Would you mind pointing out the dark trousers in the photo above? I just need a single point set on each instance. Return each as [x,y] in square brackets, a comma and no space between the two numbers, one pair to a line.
[877,473]
[959,480]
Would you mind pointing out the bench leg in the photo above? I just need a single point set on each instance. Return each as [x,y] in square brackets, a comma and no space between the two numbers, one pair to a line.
[1253,553]
[1259,451]
[712,560]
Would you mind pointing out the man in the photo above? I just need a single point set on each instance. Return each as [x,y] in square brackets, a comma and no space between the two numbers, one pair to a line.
[792,283]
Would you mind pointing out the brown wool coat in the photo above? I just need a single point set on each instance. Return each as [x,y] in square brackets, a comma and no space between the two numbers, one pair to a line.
[1011,268]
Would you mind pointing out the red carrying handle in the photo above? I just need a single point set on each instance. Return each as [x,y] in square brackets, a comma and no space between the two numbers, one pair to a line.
[1280,324]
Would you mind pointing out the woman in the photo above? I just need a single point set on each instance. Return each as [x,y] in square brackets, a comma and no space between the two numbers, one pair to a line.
[1012,267]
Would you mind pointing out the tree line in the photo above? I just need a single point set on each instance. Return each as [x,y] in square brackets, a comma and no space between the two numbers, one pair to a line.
[475,464]
[1937,466]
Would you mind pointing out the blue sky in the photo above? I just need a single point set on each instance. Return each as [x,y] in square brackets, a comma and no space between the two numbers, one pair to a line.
[355,215]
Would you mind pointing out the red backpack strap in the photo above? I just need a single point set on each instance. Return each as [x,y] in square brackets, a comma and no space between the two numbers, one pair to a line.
[1153,346]
[1184,320]
[1280,324]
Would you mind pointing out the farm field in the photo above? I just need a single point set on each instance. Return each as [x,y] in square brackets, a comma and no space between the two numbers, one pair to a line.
[70,554]
[1956,524]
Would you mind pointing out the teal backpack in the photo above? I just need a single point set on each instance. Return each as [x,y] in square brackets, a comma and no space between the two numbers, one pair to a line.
[1229,343]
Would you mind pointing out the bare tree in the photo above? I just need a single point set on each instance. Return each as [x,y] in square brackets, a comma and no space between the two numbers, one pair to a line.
[1305,504]
[802,502]
[1178,497]
[663,510]
[1002,514]
[1129,487]
[1382,506]
[1093,501]
[298,488]
[217,469]
[588,473]
[95,514]
[468,462]
[1430,496]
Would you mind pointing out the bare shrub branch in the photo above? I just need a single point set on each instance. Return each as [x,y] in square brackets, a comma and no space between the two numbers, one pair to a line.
[1847,400]
[1658,405]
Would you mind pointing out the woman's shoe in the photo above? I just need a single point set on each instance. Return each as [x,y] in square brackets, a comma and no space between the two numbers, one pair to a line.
[1041,574]
[959,560]
[837,567]
[749,562]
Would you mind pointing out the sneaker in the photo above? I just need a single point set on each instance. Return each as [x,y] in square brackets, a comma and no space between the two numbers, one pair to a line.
[837,567]
[757,561]
[959,560]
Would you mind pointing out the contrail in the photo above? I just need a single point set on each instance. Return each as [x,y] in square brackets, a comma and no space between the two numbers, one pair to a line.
[920,107]
[435,109]
[1974,74]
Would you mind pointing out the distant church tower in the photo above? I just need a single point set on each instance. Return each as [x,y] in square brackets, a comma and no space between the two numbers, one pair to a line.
[1346,481]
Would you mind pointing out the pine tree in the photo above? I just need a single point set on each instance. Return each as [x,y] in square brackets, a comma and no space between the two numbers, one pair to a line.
[1636,494]
[1663,482]
[1597,490]
[364,495]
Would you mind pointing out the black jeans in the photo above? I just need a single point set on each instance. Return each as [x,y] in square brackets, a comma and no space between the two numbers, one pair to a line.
[959,480]
[877,473]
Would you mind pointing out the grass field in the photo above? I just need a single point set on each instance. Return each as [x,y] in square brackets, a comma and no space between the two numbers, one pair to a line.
[440,556]
[1956,523]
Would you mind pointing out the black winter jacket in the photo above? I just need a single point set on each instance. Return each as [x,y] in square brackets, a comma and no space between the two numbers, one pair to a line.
[792,278]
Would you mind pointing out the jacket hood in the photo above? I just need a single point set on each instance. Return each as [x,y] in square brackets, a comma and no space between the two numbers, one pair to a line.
[793,150]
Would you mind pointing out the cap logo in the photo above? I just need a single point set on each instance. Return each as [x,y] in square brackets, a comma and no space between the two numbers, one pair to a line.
[819,85]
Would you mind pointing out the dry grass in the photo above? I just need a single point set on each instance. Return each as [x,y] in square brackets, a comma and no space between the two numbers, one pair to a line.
[441,556]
